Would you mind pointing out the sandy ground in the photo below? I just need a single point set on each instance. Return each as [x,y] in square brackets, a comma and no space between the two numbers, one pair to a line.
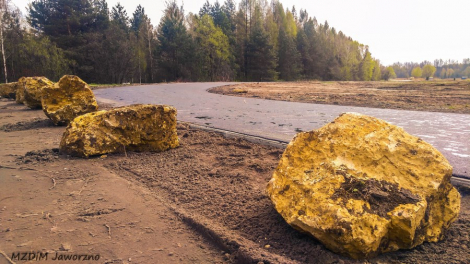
[203,202]
[436,96]
[77,206]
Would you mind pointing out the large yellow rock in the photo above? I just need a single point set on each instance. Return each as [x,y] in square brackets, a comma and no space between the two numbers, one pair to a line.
[362,186]
[131,128]
[67,99]
[33,90]
[8,90]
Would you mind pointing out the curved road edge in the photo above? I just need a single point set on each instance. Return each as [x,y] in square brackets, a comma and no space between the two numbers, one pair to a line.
[280,121]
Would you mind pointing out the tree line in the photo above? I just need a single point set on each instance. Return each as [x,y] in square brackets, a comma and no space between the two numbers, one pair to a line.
[255,40]
[440,68]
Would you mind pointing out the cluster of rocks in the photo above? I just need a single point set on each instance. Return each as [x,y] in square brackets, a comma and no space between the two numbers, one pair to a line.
[61,101]
[90,132]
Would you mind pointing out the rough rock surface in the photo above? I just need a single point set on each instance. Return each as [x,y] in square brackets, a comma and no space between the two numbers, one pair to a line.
[33,90]
[131,128]
[20,90]
[67,99]
[362,186]
[8,90]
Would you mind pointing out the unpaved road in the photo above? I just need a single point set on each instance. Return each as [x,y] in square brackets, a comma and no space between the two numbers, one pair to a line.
[433,96]
[203,202]
[448,132]
[52,204]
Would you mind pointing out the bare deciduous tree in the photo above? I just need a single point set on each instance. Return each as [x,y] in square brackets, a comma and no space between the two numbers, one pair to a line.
[3,9]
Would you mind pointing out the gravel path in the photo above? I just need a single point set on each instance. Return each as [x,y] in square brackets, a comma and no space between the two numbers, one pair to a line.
[449,133]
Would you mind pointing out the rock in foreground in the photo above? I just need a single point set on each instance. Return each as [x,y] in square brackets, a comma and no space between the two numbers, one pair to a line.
[67,99]
[131,128]
[8,90]
[362,186]
[32,90]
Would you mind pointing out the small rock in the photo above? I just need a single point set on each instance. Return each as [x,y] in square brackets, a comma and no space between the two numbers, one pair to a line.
[238,90]
[24,244]
[267,246]
[65,247]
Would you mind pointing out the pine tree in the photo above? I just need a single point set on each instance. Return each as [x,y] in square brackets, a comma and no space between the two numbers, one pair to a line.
[289,57]
[289,65]
[261,61]
[75,26]
[138,17]
[65,20]
[174,45]
[119,17]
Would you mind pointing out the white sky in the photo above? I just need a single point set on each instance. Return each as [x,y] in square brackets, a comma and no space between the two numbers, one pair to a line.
[398,30]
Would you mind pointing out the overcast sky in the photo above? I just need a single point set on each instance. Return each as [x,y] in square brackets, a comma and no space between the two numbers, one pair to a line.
[398,30]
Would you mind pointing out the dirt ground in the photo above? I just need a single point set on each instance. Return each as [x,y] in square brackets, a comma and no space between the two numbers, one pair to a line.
[436,96]
[203,202]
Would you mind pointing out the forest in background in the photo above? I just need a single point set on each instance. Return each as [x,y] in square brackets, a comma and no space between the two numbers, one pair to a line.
[254,40]
[442,69]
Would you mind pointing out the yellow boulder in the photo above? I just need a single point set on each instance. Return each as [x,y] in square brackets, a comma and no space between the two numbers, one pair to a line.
[238,90]
[362,186]
[30,91]
[67,99]
[8,90]
[130,128]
